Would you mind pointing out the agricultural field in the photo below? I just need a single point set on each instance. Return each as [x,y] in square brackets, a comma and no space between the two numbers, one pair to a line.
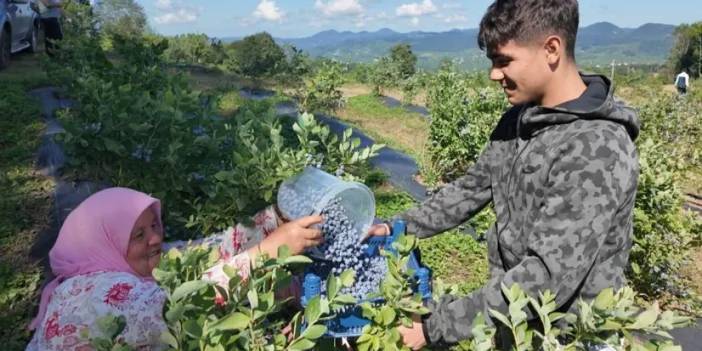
[205,134]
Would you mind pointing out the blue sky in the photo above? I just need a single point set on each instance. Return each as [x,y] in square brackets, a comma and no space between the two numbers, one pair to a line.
[298,18]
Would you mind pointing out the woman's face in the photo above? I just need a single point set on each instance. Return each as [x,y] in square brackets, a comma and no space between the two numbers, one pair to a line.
[144,251]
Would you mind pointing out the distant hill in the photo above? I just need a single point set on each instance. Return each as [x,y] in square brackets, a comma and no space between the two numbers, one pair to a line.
[597,44]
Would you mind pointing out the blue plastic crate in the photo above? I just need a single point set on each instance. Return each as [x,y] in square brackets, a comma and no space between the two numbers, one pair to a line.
[350,322]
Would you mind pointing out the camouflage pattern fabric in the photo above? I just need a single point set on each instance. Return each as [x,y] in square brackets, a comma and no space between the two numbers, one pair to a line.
[563,185]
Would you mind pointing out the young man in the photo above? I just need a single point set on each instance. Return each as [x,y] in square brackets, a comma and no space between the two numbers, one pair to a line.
[560,169]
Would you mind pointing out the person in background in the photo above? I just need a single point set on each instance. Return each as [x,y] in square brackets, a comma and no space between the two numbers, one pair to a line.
[682,82]
[103,260]
[50,12]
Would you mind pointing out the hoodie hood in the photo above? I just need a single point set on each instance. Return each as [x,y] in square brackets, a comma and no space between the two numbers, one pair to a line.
[597,102]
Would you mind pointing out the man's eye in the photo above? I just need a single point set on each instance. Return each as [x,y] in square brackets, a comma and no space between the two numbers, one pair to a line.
[502,62]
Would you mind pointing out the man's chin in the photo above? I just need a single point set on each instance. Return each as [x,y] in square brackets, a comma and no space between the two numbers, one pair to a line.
[515,100]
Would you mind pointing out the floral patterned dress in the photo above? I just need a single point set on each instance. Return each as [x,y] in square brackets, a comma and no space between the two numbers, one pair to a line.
[78,302]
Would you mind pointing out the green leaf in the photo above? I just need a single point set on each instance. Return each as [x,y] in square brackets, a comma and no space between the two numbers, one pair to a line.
[646,318]
[234,321]
[253,298]
[297,129]
[162,276]
[314,332]
[192,328]
[168,339]
[114,146]
[313,310]
[175,312]
[301,344]
[604,299]
[188,288]
[345,299]
[388,315]
[297,259]
[501,317]
[347,278]
[332,286]
[229,271]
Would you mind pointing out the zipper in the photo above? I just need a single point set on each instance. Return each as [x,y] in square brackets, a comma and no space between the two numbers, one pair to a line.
[510,177]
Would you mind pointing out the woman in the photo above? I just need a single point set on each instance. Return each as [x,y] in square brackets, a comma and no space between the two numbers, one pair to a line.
[103,259]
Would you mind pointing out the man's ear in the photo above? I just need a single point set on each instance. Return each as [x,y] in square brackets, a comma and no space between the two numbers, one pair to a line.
[553,46]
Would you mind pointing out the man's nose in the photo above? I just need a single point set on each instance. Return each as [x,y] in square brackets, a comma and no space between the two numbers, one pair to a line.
[496,74]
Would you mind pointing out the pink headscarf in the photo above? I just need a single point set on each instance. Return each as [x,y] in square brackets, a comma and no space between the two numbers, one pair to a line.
[95,237]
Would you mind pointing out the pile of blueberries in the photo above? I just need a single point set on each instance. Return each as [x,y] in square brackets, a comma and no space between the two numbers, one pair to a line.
[342,251]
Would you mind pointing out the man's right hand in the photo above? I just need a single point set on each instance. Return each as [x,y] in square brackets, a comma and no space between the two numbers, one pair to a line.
[381,229]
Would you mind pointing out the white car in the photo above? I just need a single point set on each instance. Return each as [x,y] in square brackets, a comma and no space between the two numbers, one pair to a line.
[19,25]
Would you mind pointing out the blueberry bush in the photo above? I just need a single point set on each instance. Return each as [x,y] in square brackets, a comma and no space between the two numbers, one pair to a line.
[462,117]
[140,126]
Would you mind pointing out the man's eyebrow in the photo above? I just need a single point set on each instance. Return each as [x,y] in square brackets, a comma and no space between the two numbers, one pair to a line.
[494,56]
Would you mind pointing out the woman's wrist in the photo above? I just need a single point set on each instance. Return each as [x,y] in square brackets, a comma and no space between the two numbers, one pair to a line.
[280,219]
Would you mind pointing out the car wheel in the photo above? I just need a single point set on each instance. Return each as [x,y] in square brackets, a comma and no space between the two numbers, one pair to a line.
[34,39]
[5,48]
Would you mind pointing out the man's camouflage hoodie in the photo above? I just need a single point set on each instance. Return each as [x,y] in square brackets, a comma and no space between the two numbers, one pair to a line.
[562,182]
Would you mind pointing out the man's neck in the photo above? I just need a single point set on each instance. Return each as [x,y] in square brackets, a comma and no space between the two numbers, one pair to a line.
[565,86]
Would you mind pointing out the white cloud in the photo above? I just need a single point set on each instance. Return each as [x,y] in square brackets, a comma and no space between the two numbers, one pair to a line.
[268,10]
[415,21]
[416,9]
[339,7]
[451,6]
[455,18]
[164,5]
[368,19]
[175,12]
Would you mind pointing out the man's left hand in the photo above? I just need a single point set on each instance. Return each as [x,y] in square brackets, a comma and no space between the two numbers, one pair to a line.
[413,337]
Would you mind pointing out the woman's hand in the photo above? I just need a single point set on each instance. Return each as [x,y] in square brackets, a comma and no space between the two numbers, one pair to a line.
[297,235]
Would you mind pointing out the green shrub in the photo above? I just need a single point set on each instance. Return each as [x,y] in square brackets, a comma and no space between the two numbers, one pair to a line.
[462,118]
[138,126]
[245,315]
[669,146]
[662,233]
[321,92]
[383,75]
[674,122]
[613,318]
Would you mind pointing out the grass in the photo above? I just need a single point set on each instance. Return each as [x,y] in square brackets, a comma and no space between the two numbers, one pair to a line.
[454,258]
[693,182]
[229,102]
[25,69]
[207,78]
[393,126]
[25,200]
[355,89]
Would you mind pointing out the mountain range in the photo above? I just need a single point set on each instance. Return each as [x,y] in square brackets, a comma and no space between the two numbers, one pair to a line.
[597,44]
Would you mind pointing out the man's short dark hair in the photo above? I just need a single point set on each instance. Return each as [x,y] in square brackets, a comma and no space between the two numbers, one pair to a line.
[527,20]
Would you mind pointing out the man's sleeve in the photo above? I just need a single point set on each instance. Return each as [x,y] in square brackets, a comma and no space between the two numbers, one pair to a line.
[454,203]
[582,194]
